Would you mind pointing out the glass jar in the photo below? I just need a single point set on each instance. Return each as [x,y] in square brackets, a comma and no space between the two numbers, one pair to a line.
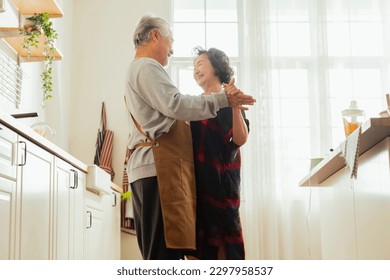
[352,118]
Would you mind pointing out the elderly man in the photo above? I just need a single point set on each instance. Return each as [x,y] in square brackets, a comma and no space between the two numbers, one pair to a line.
[160,168]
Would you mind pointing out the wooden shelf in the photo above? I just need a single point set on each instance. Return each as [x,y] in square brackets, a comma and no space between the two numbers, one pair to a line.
[16,43]
[11,35]
[373,131]
[29,7]
[9,32]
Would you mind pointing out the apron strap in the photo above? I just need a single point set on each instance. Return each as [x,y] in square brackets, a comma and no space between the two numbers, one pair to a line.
[143,144]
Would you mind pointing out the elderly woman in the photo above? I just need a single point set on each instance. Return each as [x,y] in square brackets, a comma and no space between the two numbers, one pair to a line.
[217,160]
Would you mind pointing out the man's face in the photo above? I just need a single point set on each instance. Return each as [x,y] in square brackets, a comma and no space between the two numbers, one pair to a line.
[165,49]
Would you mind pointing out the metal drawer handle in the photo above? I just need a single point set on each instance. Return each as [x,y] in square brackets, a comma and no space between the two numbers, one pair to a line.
[113,205]
[25,154]
[90,219]
[75,179]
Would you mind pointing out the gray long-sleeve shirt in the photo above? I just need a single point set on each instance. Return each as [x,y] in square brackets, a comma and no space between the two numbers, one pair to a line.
[155,102]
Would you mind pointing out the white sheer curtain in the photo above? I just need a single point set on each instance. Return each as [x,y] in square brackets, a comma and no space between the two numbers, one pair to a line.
[304,60]
[259,207]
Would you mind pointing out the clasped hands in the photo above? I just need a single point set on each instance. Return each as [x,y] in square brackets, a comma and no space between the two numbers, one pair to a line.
[236,97]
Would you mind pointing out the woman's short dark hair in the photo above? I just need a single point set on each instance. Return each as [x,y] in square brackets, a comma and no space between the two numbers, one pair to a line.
[220,62]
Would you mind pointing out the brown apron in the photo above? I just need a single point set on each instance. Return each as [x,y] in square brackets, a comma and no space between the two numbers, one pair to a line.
[174,160]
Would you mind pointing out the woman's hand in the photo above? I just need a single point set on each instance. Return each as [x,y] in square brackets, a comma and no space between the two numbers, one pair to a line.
[236,97]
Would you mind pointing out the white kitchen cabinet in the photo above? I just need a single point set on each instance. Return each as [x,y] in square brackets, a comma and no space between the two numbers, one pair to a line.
[7,193]
[95,242]
[46,211]
[7,152]
[78,218]
[68,224]
[41,202]
[7,218]
[102,233]
[35,203]
[25,202]
[114,220]
[51,206]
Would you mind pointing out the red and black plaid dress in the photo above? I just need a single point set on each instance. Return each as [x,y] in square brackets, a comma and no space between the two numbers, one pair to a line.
[217,166]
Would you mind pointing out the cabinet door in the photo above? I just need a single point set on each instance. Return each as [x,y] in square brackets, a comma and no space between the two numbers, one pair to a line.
[7,193]
[8,142]
[77,207]
[62,217]
[102,236]
[114,220]
[94,230]
[68,211]
[35,204]
[7,218]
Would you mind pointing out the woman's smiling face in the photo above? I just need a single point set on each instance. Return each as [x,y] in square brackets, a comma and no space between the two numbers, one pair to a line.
[204,71]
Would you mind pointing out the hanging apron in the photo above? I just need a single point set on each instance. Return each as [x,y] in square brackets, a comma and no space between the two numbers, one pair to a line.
[173,155]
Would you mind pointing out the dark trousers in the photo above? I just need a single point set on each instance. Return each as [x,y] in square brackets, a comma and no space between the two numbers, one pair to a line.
[148,221]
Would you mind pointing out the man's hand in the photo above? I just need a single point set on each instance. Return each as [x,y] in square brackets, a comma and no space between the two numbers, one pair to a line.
[236,97]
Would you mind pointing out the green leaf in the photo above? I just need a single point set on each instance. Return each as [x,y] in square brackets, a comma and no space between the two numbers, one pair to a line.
[126,195]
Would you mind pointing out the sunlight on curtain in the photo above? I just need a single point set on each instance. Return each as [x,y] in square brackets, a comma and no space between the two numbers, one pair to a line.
[304,60]
[258,208]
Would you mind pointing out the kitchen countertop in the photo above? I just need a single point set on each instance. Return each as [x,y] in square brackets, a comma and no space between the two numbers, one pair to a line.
[374,130]
[28,133]
[117,188]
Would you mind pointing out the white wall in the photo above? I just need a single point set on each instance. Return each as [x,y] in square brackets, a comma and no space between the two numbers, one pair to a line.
[58,109]
[102,48]
[31,85]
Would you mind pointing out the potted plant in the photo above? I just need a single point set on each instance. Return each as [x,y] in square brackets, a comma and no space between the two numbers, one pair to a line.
[35,26]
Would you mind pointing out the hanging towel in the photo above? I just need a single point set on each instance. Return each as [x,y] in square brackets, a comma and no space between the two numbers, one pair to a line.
[104,145]
[99,141]
[350,151]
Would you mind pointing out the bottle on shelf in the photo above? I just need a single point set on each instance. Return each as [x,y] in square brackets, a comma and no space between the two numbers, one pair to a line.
[352,118]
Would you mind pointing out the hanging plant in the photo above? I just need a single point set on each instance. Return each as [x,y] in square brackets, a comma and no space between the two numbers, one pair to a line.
[41,24]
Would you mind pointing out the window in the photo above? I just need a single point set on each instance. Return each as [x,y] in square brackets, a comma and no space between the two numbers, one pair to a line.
[304,61]
[205,24]
[324,54]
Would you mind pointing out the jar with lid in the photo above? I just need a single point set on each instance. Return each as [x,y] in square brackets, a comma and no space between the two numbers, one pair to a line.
[352,118]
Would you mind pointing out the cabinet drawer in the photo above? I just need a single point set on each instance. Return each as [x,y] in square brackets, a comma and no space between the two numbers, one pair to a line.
[7,152]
